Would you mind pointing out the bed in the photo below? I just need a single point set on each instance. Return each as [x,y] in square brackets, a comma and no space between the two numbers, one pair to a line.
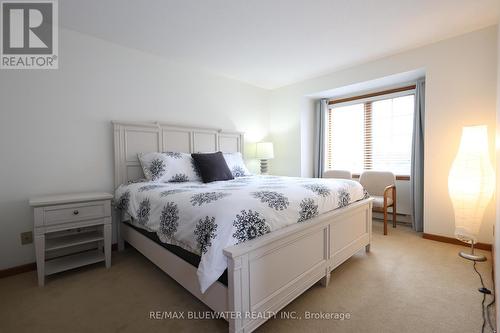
[241,278]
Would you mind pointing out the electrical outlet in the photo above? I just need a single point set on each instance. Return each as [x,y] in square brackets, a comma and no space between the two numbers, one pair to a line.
[26,237]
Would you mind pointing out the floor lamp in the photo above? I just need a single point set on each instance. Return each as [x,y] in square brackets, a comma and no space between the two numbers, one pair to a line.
[471,183]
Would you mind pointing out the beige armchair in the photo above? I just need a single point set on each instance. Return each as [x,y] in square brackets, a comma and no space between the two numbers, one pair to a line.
[343,174]
[381,186]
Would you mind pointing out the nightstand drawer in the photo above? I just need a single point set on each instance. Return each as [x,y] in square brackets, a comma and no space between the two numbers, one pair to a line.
[68,213]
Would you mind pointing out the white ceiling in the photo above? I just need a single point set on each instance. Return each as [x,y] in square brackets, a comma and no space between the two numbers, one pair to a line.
[272,43]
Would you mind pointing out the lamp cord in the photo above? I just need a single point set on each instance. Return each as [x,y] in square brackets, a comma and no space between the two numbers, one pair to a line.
[491,303]
[488,313]
[485,310]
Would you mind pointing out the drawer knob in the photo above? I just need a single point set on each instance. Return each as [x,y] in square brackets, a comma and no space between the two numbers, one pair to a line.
[76,212]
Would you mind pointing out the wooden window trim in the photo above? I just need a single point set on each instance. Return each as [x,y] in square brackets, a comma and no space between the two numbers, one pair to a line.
[398,177]
[375,94]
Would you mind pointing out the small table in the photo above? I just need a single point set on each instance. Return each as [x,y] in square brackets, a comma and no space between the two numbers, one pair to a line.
[63,222]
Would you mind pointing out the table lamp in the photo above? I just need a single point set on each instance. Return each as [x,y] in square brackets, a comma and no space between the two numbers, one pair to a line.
[264,152]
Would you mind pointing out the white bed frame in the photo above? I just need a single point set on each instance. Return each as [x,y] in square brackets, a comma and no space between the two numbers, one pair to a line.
[264,274]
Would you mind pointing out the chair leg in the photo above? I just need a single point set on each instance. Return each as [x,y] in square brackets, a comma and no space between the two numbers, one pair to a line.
[394,207]
[394,216]
[385,220]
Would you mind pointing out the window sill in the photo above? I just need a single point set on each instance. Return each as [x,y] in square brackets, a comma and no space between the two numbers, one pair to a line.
[398,177]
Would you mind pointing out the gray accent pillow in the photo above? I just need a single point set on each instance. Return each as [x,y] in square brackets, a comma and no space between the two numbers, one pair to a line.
[212,167]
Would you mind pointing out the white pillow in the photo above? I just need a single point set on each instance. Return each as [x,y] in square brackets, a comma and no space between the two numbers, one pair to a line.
[235,163]
[168,167]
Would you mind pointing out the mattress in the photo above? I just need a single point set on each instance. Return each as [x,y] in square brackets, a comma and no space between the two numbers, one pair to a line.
[185,255]
[204,219]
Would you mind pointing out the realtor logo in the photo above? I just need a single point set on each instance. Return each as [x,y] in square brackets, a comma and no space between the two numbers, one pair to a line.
[29,36]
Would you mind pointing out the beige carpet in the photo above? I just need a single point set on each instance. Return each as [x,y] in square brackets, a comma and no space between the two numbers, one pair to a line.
[406,284]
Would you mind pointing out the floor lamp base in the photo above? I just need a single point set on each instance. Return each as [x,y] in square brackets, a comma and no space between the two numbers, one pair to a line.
[471,256]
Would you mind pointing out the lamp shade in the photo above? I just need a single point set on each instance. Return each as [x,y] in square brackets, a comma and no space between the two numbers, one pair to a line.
[264,150]
[471,182]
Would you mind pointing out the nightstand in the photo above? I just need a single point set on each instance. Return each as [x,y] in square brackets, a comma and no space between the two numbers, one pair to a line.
[64,224]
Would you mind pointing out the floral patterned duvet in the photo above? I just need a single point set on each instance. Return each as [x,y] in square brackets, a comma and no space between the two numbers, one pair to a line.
[206,218]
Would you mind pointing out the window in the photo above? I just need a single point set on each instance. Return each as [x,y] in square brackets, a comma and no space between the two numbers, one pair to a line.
[346,137]
[372,133]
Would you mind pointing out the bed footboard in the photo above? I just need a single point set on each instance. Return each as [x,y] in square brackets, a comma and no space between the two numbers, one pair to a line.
[269,272]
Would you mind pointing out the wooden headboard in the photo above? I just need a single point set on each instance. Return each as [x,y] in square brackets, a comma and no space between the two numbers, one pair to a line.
[133,138]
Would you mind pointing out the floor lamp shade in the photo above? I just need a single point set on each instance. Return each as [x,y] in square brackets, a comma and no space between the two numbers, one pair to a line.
[471,182]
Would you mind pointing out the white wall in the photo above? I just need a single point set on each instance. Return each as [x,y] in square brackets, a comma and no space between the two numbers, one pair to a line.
[461,90]
[55,130]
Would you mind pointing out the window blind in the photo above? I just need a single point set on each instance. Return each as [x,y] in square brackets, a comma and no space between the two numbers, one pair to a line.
[368,138]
